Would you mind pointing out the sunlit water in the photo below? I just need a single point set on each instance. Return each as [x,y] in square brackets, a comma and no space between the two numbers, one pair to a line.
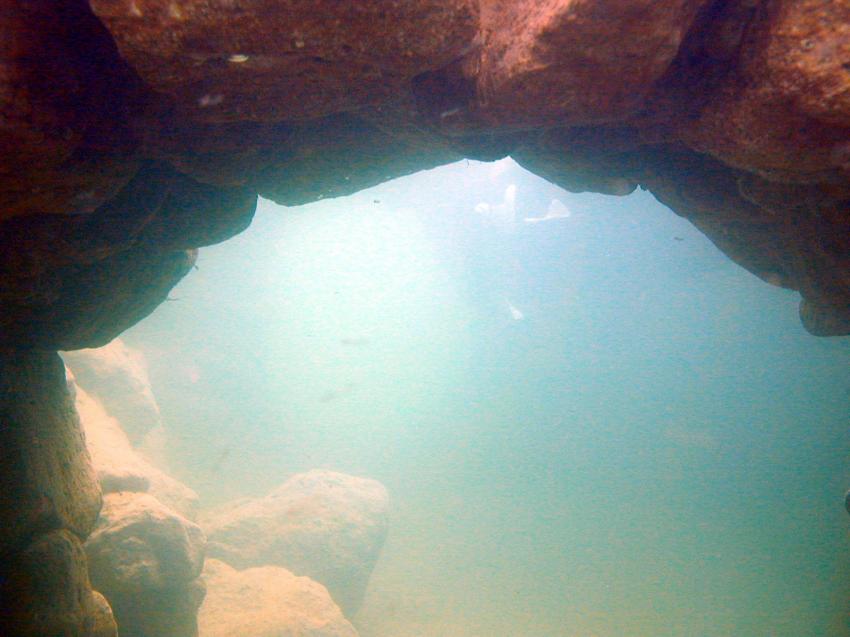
[594,424]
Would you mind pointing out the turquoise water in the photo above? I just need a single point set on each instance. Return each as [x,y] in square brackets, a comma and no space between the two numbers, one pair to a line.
[593,425]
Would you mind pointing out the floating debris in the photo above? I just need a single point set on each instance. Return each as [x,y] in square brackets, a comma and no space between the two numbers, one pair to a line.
[557,210]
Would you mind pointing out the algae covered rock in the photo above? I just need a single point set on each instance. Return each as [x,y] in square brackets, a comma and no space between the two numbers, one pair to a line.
[325,525]
[268,601]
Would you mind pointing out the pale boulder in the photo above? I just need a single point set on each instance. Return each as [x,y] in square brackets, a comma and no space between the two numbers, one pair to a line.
[119,467]
[325,525]
[146,558]
[140,544]
[117,375]
[268,601]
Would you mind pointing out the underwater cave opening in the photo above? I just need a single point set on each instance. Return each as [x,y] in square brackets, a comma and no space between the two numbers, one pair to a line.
[588,419]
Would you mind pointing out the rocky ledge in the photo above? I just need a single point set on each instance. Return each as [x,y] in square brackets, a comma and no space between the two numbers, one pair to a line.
[134,131]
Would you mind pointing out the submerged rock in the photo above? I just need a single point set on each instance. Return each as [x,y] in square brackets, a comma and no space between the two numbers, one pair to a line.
[268,601]
[51,592]
[46,478]
[103,620]
[119,467]
[116,464]
[325,525]
[117,375]
[140,544]
[167,612]
[146,558]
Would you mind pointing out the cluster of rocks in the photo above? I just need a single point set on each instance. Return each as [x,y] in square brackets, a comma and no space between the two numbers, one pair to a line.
[135,132]
[294,562]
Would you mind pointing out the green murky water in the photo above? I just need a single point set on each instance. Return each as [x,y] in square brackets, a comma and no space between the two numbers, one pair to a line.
[590,425]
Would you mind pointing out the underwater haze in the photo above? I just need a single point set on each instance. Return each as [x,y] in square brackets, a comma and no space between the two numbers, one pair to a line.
[589,420]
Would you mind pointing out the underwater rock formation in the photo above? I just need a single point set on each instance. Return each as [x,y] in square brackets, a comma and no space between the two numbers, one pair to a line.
[145,558]
[49,501]
[133,133]
[136,131]
[117,375]
[51,594]
[47,480]
[118,465]
[325,525]
[265,601]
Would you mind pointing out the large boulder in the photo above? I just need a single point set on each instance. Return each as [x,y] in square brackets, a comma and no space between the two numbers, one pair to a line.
[103,624]
[268,601]
[784,111]
[118,376]
[145,558]
[325,525]
[563,62]
[140,544]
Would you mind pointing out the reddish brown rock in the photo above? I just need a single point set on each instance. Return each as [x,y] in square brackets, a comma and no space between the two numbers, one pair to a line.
[784,109]
[266,60]
[64,143]
[158,122]
[573,62]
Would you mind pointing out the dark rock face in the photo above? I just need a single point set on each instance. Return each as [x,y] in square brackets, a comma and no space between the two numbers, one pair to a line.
[49,501]
[70,282]
[135,131]
[52,596]
[47,481]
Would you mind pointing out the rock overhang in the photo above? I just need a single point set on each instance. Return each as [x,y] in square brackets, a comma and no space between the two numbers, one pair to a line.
[135,131]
